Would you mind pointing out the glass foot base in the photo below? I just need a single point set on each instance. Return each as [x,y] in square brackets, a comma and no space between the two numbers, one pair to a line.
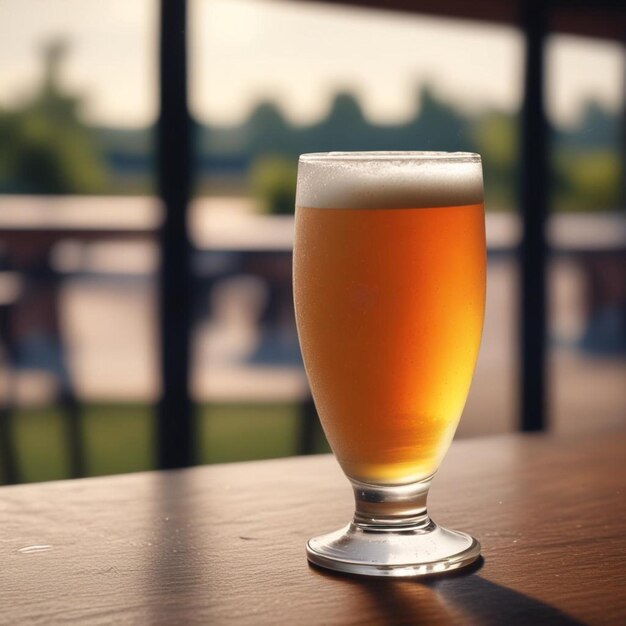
[398,552]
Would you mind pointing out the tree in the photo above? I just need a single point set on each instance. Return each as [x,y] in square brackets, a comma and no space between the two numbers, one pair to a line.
[267,130]
[273,182]
[496,139]
[44,146]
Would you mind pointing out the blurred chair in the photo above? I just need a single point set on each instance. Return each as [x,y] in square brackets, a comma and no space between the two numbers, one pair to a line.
[31,337]
[605,332]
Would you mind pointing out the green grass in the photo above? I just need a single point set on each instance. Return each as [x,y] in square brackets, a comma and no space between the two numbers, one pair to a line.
[120,438]
[39,444]
[237,433]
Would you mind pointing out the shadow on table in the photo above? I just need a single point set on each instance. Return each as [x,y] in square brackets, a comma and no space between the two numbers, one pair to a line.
[453,598]
[175,565]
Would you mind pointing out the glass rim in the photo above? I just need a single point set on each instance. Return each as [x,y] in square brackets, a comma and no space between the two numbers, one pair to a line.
[390,156]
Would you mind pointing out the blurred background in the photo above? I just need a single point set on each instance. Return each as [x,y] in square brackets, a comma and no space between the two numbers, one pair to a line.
[268,80]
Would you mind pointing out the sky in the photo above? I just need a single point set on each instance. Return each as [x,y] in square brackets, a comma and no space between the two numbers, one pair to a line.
[295,53]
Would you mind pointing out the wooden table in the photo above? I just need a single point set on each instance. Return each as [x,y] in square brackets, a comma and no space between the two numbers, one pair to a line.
[225,544]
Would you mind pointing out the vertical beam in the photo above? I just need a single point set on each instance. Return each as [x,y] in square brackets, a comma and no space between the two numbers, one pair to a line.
[534,206]
[622,196]
[73,433]
[8,456]
[8,442]
[174,411]
[308,427]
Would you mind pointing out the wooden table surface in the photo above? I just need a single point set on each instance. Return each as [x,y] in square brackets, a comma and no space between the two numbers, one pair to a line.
[225,544]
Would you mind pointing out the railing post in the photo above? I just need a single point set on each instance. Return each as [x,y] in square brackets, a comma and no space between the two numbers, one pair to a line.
[534,206]
[174,411]
[8,456]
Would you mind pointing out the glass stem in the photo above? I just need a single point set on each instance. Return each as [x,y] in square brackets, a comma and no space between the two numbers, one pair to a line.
[391,508]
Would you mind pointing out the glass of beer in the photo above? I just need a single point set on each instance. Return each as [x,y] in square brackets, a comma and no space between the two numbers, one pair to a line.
[389,288]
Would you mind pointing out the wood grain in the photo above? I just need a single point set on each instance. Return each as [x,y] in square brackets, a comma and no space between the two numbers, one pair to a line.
[225,544]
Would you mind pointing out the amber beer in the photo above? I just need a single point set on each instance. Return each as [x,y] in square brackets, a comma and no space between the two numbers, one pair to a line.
[389,279]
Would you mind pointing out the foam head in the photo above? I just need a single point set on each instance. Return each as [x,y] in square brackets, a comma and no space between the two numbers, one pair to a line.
[389,180]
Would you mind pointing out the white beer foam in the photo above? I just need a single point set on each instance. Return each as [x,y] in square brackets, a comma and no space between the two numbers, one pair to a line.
[392,180]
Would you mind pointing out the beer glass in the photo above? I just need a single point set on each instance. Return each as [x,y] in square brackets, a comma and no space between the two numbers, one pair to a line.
[389,288]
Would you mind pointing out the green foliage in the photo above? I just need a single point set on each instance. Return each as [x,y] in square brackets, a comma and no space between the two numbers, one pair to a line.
[44,146]
[495,138]
[495,134]
[39,155]
[587,180]
[273,182]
